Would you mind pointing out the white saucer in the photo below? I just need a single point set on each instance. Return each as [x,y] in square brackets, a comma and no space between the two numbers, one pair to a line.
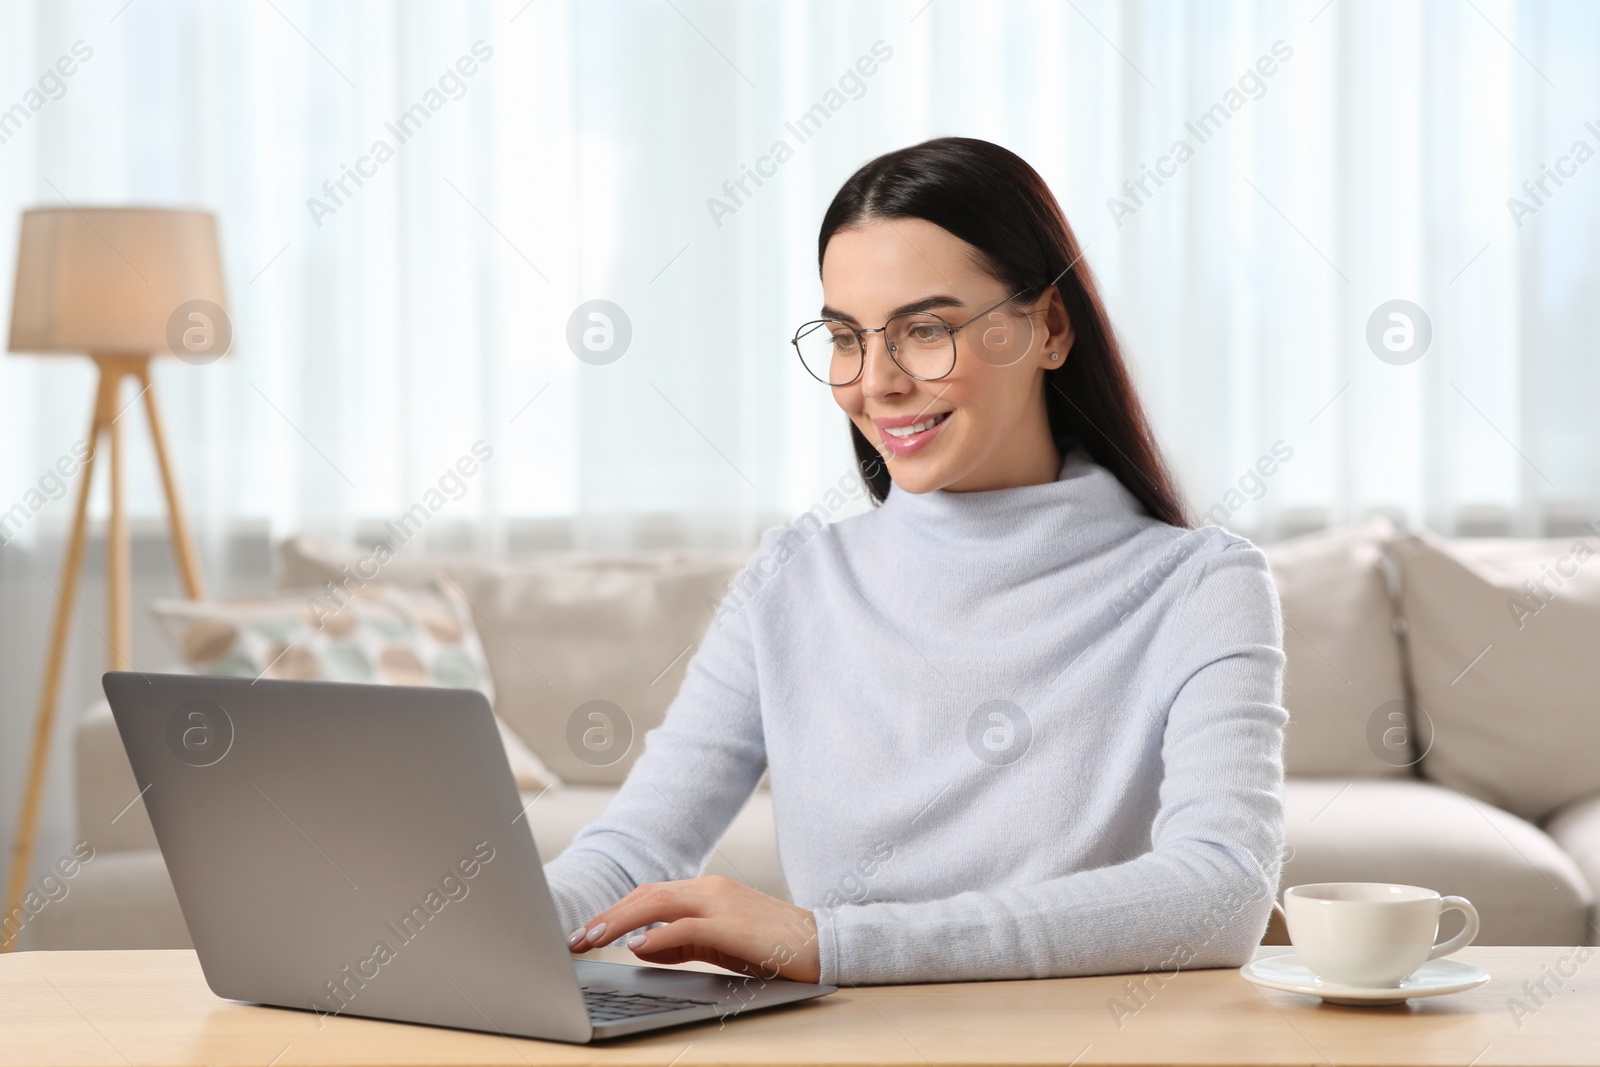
[1434,978]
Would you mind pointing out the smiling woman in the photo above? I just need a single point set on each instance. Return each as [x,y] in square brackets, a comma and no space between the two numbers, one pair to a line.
[962,208]
[1049,779]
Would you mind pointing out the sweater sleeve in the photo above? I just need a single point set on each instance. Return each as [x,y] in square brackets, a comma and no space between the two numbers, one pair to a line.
[1200,897]
[697,770]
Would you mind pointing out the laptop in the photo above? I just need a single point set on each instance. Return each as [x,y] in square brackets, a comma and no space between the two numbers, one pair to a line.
[362,850]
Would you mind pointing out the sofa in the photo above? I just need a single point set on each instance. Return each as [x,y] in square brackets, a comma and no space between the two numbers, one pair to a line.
[1443,727]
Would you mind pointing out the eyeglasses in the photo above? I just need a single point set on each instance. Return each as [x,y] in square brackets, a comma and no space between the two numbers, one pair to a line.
[921,343]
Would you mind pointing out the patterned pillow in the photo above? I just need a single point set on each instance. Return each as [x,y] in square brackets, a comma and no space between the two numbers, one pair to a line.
[385,635]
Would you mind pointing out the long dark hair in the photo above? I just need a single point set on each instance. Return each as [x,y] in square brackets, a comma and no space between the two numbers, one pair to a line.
[991,199]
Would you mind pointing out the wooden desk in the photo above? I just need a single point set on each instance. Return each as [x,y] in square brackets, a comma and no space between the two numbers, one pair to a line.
[120,1008]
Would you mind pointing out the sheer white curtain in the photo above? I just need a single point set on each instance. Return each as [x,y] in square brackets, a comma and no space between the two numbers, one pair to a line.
[1341,155]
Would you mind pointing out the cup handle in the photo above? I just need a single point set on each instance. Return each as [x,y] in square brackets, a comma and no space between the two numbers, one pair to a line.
[1468,932]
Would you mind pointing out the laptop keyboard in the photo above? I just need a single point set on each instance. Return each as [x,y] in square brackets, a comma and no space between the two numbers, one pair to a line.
[610,1005]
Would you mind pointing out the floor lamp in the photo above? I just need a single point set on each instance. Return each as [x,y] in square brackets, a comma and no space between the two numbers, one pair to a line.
[119,285]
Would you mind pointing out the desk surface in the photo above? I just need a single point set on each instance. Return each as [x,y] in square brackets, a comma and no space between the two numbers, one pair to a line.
[120,1008]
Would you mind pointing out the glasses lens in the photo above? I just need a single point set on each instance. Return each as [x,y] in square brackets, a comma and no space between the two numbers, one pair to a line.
[830,350]
[922,344]
[1001,337]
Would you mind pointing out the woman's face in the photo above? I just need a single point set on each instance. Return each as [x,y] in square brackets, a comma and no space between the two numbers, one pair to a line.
[982,427]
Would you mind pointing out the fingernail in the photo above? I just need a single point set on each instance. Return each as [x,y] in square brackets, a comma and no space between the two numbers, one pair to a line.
[636,940]
[574,937]
[597,933]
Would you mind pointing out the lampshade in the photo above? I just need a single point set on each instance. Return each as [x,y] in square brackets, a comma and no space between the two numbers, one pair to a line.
[113,280]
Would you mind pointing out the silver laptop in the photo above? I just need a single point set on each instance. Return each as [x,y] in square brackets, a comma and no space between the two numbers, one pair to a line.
[362,850]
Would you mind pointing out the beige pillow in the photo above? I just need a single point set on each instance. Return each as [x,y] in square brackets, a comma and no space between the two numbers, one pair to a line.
[311,559]
[379,634]
[1504,636]
[1344,677]
[586,651]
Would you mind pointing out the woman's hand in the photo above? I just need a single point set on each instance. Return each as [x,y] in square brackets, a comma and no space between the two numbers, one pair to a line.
[713,920]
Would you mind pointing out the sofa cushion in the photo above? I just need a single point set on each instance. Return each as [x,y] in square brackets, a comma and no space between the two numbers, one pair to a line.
[120,900]
[1527,890]
[374,633]
[1576,828]
[111,813]
[1503,640]
[1344,666]
[310,560]
[586,651]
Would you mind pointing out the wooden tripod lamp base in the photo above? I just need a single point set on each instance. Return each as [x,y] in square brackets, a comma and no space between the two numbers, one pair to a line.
[109,282]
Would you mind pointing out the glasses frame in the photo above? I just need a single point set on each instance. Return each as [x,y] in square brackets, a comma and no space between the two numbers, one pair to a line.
[861,337]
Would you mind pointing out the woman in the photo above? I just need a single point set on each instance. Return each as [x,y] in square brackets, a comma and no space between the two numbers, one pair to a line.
[1021,720]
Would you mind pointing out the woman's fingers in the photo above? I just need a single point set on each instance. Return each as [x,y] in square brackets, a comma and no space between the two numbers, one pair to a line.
[684,933]
[661,902]
[711,919]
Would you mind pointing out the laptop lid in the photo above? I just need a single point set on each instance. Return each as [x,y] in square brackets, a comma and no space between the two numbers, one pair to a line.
[350,849]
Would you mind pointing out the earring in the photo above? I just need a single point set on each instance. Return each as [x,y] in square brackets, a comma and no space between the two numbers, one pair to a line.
[1055,355]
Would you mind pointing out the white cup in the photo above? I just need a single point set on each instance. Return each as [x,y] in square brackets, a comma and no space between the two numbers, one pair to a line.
[1370,934]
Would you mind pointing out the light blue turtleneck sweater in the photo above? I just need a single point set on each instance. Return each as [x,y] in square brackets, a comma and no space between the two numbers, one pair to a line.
[1020,733]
